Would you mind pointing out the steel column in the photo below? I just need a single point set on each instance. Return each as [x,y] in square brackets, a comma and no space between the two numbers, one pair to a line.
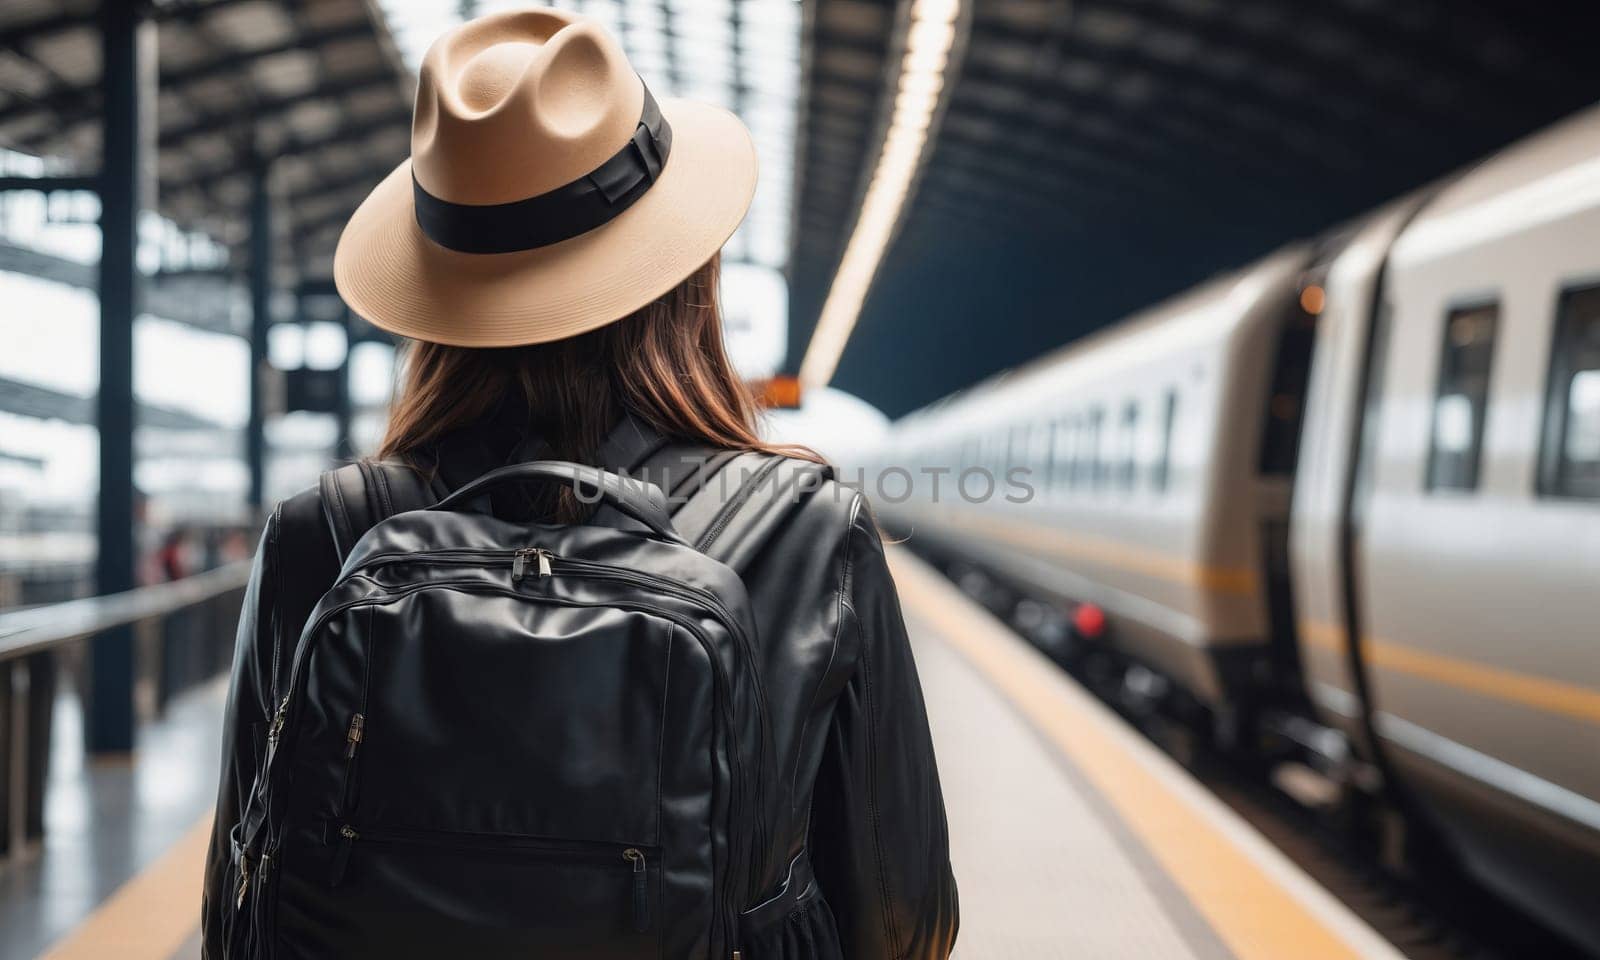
[343,449]
[260,319]
[49,184]
[127,82]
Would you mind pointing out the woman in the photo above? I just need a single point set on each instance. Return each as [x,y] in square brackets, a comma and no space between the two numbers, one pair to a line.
[551,251]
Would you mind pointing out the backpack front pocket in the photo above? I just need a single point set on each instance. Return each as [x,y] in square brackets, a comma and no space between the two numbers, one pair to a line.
[431,893]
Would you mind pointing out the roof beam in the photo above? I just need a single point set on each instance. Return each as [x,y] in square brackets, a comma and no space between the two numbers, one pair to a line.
[312,229]
[45,403]
[81,104]
[1314,65]
[170,301]
[31,30]
[49,184]
[189,11]
[254,112]
[350,30]
[13,37]
[1311,116]
[1176,146]
[1161,125]
[367,175]
[295,145]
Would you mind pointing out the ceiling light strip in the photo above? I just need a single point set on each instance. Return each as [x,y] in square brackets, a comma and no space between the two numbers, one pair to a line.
[929,39]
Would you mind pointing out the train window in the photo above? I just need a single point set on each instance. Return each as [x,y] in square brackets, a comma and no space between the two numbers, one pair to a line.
[1570,463]
[1066,453]
[1463,394]
[1128,455]
[1091,459]
[1075,450]
[1160,473]
[1060,453]
[1280,434]
[1068,450]
[1042,452]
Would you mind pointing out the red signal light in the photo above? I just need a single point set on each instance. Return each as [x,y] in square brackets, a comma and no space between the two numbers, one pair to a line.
[1089,621]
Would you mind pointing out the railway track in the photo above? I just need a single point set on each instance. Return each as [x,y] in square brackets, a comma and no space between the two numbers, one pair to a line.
[1434,917]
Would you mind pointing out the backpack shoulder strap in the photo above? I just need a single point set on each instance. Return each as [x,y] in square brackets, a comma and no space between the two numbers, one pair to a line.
[742,492]
[358,496]
[719,493]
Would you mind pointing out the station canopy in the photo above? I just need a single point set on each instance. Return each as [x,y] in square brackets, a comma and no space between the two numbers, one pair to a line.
[319,89]
[1094,156]
[321,92]
[1087,157]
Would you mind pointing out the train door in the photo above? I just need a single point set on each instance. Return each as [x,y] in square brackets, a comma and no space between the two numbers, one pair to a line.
[1341,407]
[1277,459]
[1481,546]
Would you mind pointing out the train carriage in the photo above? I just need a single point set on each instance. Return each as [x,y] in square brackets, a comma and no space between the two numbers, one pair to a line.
[1359,479]
[1473,519]
[1156,487]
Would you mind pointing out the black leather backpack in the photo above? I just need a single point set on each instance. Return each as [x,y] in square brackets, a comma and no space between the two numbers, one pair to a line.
[507,739]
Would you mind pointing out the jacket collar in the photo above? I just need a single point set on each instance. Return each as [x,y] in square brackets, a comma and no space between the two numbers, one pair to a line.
[505,437]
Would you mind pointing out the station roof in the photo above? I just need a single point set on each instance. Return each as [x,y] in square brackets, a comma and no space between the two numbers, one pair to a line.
[1091,156]
[45,403]
[319,87]
[1097,155]
[324,90]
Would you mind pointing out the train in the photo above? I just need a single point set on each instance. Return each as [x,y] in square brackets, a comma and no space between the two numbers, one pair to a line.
[1345,498]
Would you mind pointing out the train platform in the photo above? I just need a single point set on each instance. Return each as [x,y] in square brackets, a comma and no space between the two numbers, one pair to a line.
[1106,848]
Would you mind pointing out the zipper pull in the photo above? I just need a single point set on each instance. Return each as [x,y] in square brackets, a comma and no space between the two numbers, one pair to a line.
[352,737]
[244,882]
[276,730]
[519,562]
[341,857]
[641,889]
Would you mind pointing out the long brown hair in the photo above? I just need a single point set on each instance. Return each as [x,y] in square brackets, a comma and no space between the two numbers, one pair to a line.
[665,364]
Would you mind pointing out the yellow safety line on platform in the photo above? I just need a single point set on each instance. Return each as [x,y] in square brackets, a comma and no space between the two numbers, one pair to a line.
[151,916]
[1260,905]
[1539,693]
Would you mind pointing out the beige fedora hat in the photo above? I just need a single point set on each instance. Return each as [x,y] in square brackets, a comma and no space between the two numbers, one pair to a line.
[548,192]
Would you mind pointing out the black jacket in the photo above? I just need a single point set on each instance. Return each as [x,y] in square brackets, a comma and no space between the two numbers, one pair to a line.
[845,705]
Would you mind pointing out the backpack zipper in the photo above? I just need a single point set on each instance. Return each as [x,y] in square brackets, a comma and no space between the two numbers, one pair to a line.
[352,741]
[520,559]
[641,888]
[352,737]
[634,858]
[275,731]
